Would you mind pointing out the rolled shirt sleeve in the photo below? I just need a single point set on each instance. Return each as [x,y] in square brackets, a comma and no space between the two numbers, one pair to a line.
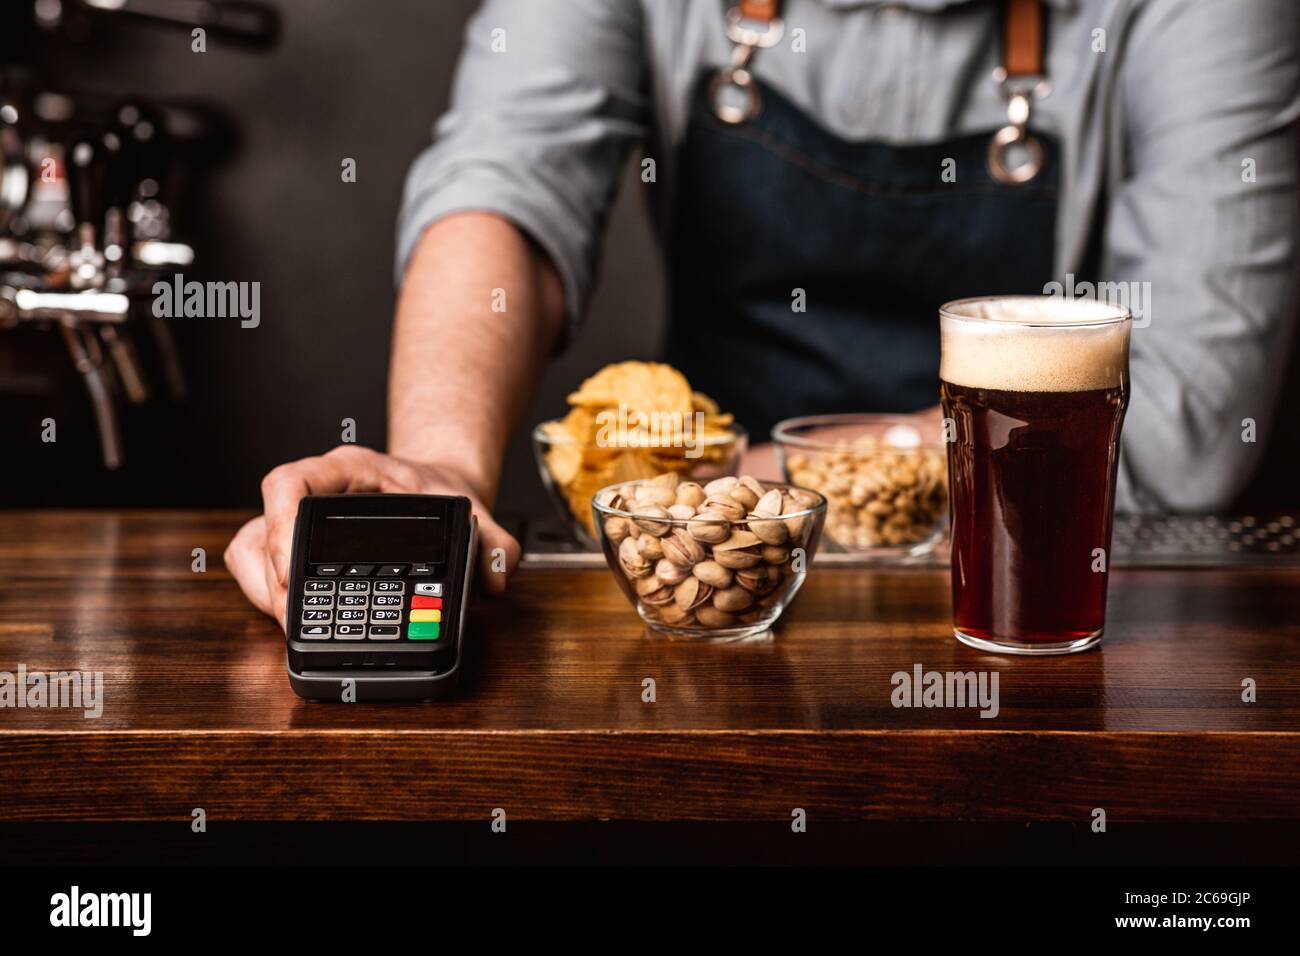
[1205,216]
[547,100]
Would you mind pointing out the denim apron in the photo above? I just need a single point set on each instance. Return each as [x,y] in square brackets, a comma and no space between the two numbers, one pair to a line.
[807,270]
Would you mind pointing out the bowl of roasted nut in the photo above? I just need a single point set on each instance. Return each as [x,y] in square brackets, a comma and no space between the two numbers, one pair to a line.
[884,477]
[714,560]
[632,420]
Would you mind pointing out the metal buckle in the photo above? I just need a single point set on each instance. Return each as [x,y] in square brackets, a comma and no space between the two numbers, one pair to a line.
[736,77]
[1020,93]
[728,80]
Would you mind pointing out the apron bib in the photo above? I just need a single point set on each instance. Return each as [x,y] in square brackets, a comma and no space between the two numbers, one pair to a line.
[807,270]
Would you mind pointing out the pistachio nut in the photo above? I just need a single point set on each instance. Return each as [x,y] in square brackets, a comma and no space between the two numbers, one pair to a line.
[647,584]
[670,613]
[740,550]
[689,493]
[719,486]
[771,503]
[691,593]
[669,480]
[663,594]
[631,559]
[759,579]
[732,599]
[769,528]
[682,549]
[712,574]
[616,529]
[650,547]
[654,496]
[710,616]
[775,553]
[725,507]
[795,526]
[670,573]
[738,559]
[709,527]
[681,512]
[744,496]
[652,519]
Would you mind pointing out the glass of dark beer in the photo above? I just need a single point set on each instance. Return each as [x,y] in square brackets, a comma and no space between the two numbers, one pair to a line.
[1034,391]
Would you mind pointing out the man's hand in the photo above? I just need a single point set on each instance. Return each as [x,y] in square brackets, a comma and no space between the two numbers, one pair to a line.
[258,556]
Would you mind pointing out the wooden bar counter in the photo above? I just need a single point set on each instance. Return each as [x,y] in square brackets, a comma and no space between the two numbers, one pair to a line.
[550,722]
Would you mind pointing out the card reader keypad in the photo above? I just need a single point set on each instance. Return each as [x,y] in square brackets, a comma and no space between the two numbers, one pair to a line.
[371,603]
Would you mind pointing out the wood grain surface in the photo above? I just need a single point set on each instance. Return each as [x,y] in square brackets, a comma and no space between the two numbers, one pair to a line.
[550,723]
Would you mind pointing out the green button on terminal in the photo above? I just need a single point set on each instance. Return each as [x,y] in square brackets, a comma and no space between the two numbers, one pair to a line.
[423,630]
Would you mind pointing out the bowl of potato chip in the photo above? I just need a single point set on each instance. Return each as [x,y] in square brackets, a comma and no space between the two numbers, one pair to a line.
[632,421]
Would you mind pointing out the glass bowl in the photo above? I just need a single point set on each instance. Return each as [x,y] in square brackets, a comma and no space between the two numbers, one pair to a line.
[885,478]
[728,570]
[573,471]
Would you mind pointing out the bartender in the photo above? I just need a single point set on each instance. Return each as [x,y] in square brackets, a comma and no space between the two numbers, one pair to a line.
[823,174]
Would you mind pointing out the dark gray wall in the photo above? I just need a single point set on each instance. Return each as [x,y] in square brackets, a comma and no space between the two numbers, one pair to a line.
[356,79]
[348,79]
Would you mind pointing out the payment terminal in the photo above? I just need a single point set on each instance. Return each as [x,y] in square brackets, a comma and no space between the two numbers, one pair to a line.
[377,596]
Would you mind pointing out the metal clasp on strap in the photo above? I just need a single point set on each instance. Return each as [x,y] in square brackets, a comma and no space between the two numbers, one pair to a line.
[1015,155]
[732,90]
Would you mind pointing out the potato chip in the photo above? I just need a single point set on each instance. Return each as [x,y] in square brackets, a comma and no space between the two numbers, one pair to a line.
[632,420]
[639,386]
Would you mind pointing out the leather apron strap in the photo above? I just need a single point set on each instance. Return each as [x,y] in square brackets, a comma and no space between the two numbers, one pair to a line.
[1014,155]
[762,10]
[1022,38]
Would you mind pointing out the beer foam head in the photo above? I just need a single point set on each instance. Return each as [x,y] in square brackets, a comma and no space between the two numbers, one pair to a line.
[1034,344]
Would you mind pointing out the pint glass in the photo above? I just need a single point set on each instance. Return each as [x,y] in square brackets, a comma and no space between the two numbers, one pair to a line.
[1034,389]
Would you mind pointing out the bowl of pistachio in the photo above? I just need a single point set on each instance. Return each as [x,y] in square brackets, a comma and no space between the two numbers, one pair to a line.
[715,560]
[885,478]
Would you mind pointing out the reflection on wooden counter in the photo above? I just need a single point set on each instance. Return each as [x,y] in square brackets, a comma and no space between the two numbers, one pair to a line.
[553,719]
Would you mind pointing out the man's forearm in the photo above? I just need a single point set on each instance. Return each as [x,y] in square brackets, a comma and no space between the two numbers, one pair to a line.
[479,312]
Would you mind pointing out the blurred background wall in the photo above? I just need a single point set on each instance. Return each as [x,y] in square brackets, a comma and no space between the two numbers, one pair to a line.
[347,79]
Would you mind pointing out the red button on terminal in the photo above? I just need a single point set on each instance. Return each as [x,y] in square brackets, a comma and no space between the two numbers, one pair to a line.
[425,602]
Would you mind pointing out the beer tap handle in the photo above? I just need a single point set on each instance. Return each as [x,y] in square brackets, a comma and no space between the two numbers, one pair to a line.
[121,348]
[163,256]
[85,196]
[86,170]
[76,314]
[145,149]
[34,305]
[15,173]
[88,360]
[99,179]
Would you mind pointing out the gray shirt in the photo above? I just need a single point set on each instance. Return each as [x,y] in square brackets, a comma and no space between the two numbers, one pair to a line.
[1177,120]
